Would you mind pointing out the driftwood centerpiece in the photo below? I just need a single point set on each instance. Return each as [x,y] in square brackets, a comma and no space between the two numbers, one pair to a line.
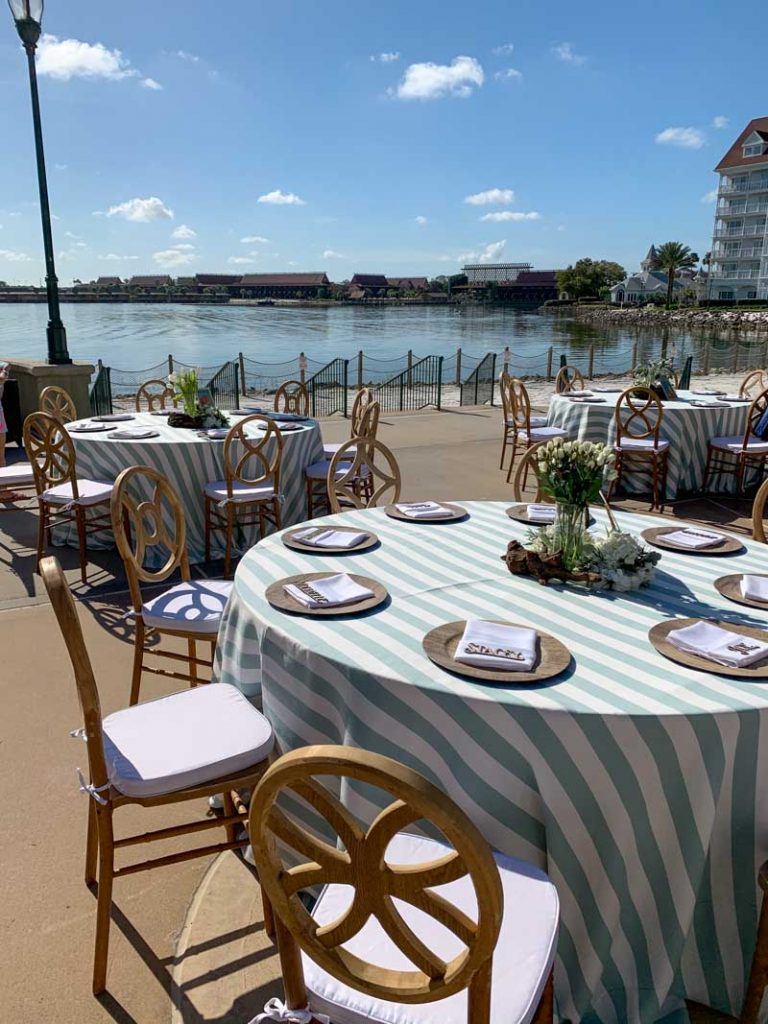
[543,567]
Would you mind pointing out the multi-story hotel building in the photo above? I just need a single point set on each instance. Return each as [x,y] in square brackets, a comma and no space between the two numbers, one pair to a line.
[739,264]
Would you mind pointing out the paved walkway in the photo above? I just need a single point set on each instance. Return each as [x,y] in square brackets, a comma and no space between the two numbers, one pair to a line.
[177,948]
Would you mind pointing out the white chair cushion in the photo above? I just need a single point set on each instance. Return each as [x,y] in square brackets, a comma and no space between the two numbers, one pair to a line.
[543,433]
[521,965]
[18,475]
[186,739]
[319,470]
[734,444]
[240,492]
[641,444]
[90,492]
[536,421]
[195,606]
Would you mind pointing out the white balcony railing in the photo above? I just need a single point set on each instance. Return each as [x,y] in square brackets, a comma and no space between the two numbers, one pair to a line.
[750,252]
[746,231]
[726,208]
[736,275]
[751,185]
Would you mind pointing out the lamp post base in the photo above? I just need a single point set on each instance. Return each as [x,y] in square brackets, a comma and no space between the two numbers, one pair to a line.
[58,354]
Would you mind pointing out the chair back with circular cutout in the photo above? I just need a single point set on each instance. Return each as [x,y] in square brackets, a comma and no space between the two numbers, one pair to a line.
[528,464]
[363,399]
[754,414]
[638,415]
[292,396]
[758,512]
[363,474]
[147,513]
[360,861]
[242,451]
[58,403]
[568,378]
[155,393]
[50,451]
[505,385]
[753,384]
[520,403]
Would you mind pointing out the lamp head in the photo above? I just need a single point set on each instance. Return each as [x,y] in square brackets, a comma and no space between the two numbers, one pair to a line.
[28,15]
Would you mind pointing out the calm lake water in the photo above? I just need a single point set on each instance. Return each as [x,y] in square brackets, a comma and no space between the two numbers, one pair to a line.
[136,336]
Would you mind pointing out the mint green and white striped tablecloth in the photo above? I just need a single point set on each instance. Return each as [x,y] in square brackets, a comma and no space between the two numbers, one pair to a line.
[190,462]
[636,782]
[686,427]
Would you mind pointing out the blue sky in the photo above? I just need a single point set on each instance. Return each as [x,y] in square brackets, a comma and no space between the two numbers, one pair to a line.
[346,137]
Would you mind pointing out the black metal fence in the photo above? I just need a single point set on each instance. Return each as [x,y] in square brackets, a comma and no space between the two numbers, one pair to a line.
[101,393]
[329,389]
[477,388]
[224,386]
[415,387]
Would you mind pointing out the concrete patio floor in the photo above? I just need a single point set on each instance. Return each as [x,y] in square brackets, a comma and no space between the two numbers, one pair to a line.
[187,941]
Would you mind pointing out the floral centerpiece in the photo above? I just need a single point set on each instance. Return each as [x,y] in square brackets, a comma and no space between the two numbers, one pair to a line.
[622,561]
[197,413]
[650,374]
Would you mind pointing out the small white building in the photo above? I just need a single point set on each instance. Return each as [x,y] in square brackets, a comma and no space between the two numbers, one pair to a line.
[645,286]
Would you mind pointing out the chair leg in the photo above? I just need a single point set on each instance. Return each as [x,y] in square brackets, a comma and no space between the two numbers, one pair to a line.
[91,844]
[546,1011]
[278,515]
[207,528]
[229,810]
[80,520]
[228,540]
[708,467]
[479,996]
[512,459]
[104,898]
[269,914]
[758,975]
[41,532]
[503,449]
[138,661]
[192,651]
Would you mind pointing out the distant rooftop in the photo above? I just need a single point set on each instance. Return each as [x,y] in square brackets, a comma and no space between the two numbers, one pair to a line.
[287,280]
[735,156]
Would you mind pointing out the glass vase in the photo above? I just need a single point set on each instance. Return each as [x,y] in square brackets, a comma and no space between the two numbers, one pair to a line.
[570,523]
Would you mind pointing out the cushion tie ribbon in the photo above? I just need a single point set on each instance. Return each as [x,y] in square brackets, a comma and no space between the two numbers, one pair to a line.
[277,1010]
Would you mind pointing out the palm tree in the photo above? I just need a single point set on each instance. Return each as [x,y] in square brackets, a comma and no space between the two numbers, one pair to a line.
[672,257]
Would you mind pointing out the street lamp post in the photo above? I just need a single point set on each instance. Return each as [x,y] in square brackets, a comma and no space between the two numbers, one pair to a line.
[28,14]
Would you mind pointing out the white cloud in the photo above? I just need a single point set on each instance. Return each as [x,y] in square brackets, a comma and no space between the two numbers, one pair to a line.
[150,83]
[508,75]
[142,210]
[254,240]
[505,48]
[71,58]
[185,55]
[14,257]
[184,247]
[710,197]
[173,258]
[720,121]
[492,197]
[512,215]
[488,254]
[113,257]
[388,57]
[430,81]
[421,220]
[60,167]
[566,53]
[684,138]
[240,260]
[71,234]
[330,254]
[183,231]
[280,198]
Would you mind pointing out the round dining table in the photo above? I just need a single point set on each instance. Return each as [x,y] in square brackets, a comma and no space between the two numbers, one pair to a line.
[686,426]
[634,781]
[190,460]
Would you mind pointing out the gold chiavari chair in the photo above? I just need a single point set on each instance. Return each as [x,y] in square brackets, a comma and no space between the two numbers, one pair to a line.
[63,498]
[506,386]
[758,512]
[379,932]
[524,433]
[739,453]
[58,403]
[147,517]
[362,474]
[753,384]
[363,399]
[187,746]
[246,497]
[155,393]
[316,475]
[639,446]
[568,378]
[292,396]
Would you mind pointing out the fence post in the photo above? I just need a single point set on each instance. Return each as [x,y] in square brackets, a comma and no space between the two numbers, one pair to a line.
[439,383]
[493,374]
[99,365]
[765,353]
[507,355]
[707,353]
[359,369]
[549,364]
[402,386]
[735,356]
[243,385]
[170,363]
[634,354]
[458,367]
[410,368]
[345,380]
[302,367]
[591,372]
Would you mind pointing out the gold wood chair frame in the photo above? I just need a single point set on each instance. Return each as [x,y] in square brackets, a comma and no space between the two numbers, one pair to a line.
[155,399]
[758,511]
[357,479]
[753,384]
[139,525]
[509,431]
[239,450]
[361,863]
[317,486]
[52,456]
[739,461]
[529,462]
[521,425]
[292,396]
[569,378]
[638,417]
[57,402]
[101,842]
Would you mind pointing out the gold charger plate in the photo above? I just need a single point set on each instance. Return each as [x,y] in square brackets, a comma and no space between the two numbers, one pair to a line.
[291,541]
[278,598]
[655,537]
[658,637]
[457,513]
[440,646]
[730,587]
[520,514]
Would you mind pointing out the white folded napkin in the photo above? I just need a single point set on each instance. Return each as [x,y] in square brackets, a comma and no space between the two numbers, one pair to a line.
[755,587]
[542,513]
[423,510]
[134,433]
[720,645]
[694,538]
[330,538]
[217,433]
[490,645]
[331,592]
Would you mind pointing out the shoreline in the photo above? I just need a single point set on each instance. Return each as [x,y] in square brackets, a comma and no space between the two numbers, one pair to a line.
[654,318]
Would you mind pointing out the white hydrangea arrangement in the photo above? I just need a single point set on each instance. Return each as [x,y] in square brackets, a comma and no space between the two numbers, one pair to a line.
[622,561]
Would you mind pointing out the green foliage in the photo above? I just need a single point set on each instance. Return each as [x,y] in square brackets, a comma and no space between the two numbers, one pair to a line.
[589,277]
[672,257]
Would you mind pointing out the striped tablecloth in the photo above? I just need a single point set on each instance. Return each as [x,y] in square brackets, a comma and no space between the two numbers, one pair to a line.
[634,781]
[190,462]
[686,427]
